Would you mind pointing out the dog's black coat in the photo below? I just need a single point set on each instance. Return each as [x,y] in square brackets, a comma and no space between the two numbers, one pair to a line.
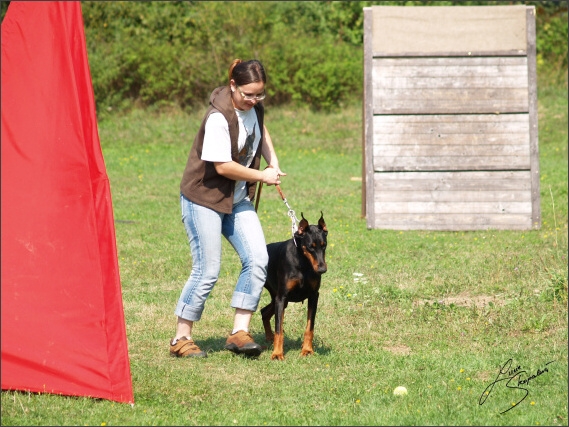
[294,274]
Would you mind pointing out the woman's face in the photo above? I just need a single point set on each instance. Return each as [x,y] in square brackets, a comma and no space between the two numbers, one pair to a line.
[245,97]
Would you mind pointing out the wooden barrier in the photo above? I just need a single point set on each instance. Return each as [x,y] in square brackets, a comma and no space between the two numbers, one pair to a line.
[450,118]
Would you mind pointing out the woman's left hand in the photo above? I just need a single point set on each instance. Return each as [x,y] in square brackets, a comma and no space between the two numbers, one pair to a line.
[279,171]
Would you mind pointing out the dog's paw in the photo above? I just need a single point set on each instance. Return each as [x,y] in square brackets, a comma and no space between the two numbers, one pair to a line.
[306,352]
[277,356]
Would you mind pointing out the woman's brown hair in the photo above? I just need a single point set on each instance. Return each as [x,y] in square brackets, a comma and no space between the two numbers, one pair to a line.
[245,72]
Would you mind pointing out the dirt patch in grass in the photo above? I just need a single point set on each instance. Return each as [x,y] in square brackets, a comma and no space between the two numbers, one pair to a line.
[399,350]
[464,300]
[484,375]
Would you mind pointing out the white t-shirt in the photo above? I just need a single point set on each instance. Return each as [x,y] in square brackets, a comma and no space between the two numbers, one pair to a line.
[217,144]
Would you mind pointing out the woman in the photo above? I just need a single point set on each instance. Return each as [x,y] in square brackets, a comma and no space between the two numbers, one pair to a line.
[217,189]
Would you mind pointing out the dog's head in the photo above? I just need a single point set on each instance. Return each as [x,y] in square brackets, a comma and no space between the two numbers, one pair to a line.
[312,240]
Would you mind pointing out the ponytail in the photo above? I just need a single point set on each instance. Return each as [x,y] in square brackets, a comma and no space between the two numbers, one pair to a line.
[232,66]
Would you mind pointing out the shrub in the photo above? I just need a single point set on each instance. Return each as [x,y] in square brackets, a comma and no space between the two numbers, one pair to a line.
[174,53]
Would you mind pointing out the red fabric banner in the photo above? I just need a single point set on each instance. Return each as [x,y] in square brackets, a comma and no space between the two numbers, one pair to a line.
[63,328]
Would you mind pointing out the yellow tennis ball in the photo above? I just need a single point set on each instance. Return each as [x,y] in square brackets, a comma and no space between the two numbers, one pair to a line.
[400,391]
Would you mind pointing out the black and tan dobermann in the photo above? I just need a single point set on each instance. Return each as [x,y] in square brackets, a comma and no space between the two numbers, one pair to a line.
[294,273]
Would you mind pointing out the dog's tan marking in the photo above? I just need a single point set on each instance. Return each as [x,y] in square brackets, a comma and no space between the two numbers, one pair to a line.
[310,258]
[278,350]
[313,284]
[291,284]
[307,344]
[308,334]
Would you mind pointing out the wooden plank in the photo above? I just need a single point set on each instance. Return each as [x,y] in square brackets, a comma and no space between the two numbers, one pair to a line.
[460,29]
[453,200]
[533,136]
[481,128]
[449,139]
[457,207]
[451,150]
[436,82]
[473,53]
[444,163]
[478,196]
[367,151]
[450,101]
[450,85]
[498,181]
[477,142]
[450,66]
[453,222]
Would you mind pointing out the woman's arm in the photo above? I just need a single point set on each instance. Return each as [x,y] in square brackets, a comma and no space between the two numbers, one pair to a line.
[237,172]
[270,175]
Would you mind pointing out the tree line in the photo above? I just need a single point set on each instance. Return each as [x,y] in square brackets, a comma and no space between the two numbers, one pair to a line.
[155,54]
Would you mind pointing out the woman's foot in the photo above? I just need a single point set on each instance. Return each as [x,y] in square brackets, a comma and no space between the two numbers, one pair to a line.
[242,342]
[185,347]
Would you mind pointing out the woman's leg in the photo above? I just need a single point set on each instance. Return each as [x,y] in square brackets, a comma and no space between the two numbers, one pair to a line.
[243,230]
[203,227]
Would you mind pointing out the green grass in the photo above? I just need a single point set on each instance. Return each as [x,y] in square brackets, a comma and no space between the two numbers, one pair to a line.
[437,312]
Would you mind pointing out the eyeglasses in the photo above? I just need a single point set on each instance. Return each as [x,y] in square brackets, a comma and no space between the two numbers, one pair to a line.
[252,97]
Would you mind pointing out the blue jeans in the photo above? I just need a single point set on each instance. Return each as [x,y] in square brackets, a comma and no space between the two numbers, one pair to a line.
[204,228]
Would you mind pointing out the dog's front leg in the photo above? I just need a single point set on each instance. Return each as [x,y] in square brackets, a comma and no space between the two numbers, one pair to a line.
[278,343]
[266,314]
[309,331]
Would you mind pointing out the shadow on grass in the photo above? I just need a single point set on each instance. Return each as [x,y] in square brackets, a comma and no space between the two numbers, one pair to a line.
[291,345]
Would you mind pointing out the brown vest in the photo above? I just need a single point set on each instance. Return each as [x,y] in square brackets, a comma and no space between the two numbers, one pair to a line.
[200,182]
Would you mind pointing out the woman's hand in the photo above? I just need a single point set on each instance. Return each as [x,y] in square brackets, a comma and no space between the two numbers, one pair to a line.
[275,165]
[271,176]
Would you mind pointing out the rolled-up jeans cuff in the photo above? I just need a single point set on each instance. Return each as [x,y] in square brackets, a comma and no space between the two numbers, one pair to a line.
[188,312]
[244,301]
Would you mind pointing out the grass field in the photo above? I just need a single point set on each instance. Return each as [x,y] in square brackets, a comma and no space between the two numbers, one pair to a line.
[440,313]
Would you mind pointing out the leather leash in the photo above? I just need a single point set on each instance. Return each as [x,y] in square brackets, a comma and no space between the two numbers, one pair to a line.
[290,212]
[259,191]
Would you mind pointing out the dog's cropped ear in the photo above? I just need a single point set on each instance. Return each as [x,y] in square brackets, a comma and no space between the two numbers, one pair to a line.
[302,226]
[321,223]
